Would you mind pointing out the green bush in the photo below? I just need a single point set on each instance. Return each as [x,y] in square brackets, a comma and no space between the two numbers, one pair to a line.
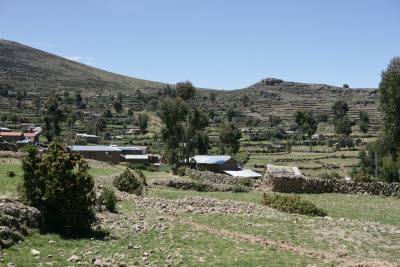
[245,181]
[390,170]
[200,187]
[58,184]
[292,204]
[11,174]
[363,177]
[182,170]
[129,182]
[240,189]
[108,199]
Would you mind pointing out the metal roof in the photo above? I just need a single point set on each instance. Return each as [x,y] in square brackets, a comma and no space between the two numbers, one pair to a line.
[23,142]
[132,148]
[136,156]
[86,135]
[94,148]
[242,173]
[205,159]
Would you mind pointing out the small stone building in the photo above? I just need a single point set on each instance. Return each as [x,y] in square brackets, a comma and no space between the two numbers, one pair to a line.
[100,153]
[215,163]
[11,136]
[94,139]
[283,178]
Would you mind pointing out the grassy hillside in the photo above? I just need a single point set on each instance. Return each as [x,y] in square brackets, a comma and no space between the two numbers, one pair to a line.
[41,73]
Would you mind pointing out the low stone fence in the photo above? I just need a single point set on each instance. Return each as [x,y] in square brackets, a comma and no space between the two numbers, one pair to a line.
[192,185]
[307,185]
[212,177]
[16,221]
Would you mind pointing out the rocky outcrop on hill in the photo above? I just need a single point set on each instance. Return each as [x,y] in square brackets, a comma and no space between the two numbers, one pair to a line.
[307,185]
[16,221]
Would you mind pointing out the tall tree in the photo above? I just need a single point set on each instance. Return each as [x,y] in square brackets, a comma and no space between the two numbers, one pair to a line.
[143,122]
[185,90]
[229,137]
[118,107]
[172,113]
[306,122]
[389,100]
[343,126]
[52,117]
[339,109]
[363,122]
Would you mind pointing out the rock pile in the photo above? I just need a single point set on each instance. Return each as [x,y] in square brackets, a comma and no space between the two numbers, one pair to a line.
[192,185]
[16,221]
[212,177]
[308,185]
[200,205]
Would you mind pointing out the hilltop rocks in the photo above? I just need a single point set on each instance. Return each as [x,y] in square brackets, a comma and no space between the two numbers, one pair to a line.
[270,81]
[16,220]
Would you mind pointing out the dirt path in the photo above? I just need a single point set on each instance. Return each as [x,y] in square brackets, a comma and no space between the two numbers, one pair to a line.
[325,256]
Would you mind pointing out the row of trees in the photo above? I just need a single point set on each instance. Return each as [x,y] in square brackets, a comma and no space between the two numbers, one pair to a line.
[183,131]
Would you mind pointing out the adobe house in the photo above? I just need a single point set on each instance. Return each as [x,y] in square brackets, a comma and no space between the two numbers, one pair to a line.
[100,153]
[223,164]
[11,136]
[94,139]
[31,136]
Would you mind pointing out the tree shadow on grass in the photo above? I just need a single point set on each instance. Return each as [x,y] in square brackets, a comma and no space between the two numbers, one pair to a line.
[52,225]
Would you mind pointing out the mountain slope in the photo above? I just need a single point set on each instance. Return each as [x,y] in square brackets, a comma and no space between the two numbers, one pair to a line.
[40,72]
[33,69]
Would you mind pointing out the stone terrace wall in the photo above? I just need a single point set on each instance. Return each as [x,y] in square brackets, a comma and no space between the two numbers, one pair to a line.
[192,185]
[306,185]
[212,177]
[16,221]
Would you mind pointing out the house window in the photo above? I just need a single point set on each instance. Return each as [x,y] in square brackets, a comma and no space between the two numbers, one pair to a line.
[108,154]
[92,154]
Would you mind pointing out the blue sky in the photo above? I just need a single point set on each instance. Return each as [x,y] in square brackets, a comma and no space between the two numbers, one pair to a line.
[213,43]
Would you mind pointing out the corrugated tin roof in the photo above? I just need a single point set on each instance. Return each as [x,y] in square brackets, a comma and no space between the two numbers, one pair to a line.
[23,142]
[129,148]
[11,133]
[136,156]
[94,148]
[206,159]
[86,135]
[242,173]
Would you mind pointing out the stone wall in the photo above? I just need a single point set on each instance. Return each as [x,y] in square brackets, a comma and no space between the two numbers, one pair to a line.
[16,221]
[306,185]
[192,185]
[212,177]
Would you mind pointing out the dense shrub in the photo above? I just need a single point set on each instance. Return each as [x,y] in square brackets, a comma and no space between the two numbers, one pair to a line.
[245,181]
[182,170]
[363,177]
[240,189]
[345,141]
[108,199]
[59,185]
[292,204]
[390,170]
[200,187]
[11,174]
[129,182]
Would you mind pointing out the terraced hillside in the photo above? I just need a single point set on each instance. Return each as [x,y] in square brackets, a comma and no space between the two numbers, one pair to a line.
[38,72]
